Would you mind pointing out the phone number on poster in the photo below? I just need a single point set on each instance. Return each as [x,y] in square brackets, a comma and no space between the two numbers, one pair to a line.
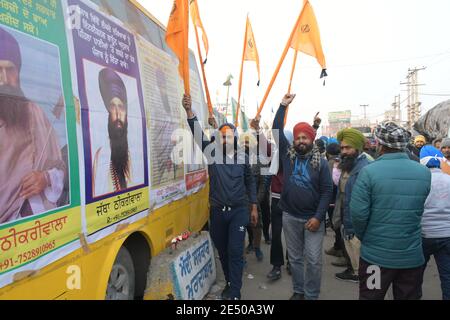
[26,256]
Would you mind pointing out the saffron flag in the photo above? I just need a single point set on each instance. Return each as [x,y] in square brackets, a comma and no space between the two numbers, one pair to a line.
[250,53]
[250,49]
[195,15]
[177,38]
[307,36]
[196,20]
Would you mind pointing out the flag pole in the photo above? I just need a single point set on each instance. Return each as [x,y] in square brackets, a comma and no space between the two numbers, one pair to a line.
[293,71]
[238,109]
[208,97]
[186,76]
[283,56]
[290,83]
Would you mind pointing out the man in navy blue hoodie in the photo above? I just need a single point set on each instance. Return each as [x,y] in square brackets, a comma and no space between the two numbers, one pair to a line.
[232,186]
[306,195]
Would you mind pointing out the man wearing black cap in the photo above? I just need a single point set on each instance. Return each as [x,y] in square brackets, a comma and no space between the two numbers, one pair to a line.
[112,164]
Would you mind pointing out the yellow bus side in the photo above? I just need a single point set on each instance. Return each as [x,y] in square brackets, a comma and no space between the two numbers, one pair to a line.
[96,263]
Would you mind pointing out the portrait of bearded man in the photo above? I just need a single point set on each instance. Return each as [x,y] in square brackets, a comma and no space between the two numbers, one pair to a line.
[32,170]
[112,163]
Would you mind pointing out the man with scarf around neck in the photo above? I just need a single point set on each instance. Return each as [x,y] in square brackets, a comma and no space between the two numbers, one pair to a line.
[306,195]
[232,189]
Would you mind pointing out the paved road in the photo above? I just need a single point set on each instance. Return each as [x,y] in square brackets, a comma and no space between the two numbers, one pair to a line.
[257,287]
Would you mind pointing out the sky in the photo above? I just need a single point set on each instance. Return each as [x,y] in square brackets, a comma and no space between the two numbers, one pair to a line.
[369,46]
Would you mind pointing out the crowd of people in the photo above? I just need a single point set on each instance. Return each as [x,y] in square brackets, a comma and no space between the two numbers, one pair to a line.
[388,209]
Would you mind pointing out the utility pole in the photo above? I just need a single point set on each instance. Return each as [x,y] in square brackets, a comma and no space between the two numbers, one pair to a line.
[414,104]
[396,111]
[399,110]
[365,106]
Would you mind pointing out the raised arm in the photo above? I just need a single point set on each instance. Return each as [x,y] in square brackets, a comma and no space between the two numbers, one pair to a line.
[196,129]
[278,123]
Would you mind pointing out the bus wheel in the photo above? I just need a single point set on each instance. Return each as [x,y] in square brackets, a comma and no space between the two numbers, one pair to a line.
[122,278]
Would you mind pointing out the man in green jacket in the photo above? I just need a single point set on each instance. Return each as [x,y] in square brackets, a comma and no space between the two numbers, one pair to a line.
[386,209]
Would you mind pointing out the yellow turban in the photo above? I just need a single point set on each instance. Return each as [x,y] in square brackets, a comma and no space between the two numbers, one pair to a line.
[352,137]
[420,138]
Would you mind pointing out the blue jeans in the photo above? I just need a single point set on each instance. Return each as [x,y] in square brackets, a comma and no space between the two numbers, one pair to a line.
[304,247]
[440,249]
[228,230]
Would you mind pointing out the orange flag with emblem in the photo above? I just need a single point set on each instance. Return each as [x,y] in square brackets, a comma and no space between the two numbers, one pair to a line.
[250,49]
[307,37]
[177,38]
[250,53]
[197,21]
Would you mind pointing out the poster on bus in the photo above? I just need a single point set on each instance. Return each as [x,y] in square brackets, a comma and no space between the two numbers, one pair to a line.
[112,117]
[165,119]
[39,199]
[196,172]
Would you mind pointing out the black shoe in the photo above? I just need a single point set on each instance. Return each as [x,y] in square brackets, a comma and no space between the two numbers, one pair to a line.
[226,292]
[348,275]
[249,249]
[275,274]
[297,296]
[334,252]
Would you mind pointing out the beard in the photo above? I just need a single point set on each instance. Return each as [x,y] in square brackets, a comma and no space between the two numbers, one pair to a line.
[348,162]
[303,149]
[447,155]
[118,136]
[13,107]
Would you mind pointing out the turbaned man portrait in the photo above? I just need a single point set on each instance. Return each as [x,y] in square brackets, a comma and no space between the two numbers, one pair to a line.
[32,170]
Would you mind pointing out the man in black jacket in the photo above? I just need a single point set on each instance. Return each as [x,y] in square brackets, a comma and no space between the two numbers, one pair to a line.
[231,187]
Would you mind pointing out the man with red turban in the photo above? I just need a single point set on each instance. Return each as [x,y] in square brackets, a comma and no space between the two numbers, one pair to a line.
[306,195]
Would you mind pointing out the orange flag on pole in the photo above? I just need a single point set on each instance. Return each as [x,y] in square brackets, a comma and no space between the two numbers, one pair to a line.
[305,37]
[250,53]
[195,15]
[197,21]
[250,49]
[177,38]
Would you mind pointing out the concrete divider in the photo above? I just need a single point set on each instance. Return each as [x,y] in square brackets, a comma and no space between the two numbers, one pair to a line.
[186,273]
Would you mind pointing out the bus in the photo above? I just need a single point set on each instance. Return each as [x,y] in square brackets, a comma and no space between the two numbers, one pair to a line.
[91,185]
